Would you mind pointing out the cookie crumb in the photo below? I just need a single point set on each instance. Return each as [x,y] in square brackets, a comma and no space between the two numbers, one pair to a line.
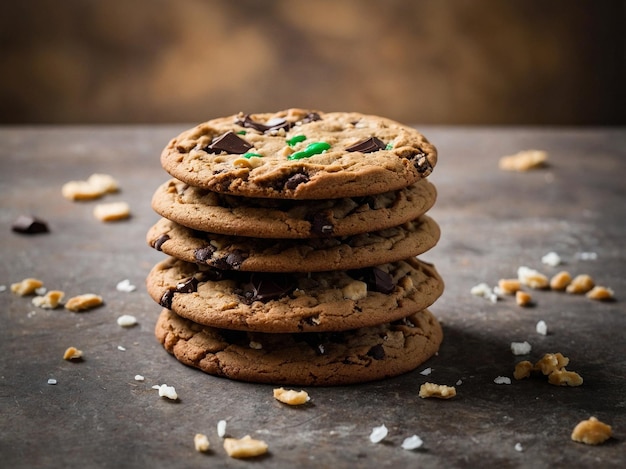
[72,353]
[552,259]
[139,378]
[125,286]
[591,432]
[523,298]
[50,300]
[94,187]
[509,286]
[580,284]
[426,371]
[166,391]
[221,428]
[518,447]
[482,289]
[201,443]
[52,381]
[26,286]
[502,380]
[112,211]
[563,377]
[523,161]
[560,281]
[532,278]
[246,447]
[523,369]
[84,302]
[600,293]
[412,443]
[520,348]
[541,328]
[291,397]
[378,434]
[126,320]
[440,391]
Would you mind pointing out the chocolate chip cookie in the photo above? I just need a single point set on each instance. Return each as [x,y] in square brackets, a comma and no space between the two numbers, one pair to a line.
[300,154]
[306,359]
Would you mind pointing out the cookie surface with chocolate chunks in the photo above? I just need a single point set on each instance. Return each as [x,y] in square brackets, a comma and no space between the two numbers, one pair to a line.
[294,302]
[205,210]
[306,359]
[293,255]
[300,154]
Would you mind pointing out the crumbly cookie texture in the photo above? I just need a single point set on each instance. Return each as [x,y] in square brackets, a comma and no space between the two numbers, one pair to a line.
[270,218]
[300,153]
[303,359]
[288,255]
[591,432]
[294,302]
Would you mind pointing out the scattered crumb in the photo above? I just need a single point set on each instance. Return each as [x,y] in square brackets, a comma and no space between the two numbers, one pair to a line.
[509,286]
[552,259]
[83,302]
[560,281]
[542,328]
[523,161]
[502,380]
[245,447]
[139,378]
[523,369]
[41,291]
[378,434]
[412,442]
[580,284]
[587,256]
[482,289]
[591,432]
[121,349]
[94,187]
[600,293]
[52,381]
[532,278]
[166,391]
[518,447]
[551,362]
[523,298]
[291,397]
[520,348]
[440,391]
[126,320]
[72,353]
[201,443]
[125,286]
[112,211]
[426,371]
[50,300]
[3,288]
[459,382]
[551,365]
[255,345]
[563,377]
[221,428]
[26,286]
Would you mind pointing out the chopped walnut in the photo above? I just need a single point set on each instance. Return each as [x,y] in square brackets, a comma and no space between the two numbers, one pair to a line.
[551,362]
[600,293]
[113,211]
[291,397]
[523,298]
[50,300]
[523,161]
[201,442]
[581,284]
[560,281]
[26,286]
[563,377]
[72,353]
[509,286]
[522,369]
[246,447]
[591,432]
[532,278]
[355,290]
[440,391]
[83,302]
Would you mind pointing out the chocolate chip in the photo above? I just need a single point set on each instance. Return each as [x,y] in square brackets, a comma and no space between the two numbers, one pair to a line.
[295,180]
[376,279]
[321,225]
[265,286]
[419,160]
[166,299]
[311,117]
[202,255]
[269,126]
[159,241]
[189,285]
[229,142]
[232,261]
[377,352]
[26,224]
[368,145]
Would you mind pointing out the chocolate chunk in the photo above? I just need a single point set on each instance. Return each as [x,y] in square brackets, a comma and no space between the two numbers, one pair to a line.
[295,180]
[269,126]
[377,352]
[311,117]
[321,225]
[229,142]
[232,261]
[159,241]
[419,160]
[166,299]
[368,145]
[265,286]
[202,255]
[27,224]
[376,279]
[189,285]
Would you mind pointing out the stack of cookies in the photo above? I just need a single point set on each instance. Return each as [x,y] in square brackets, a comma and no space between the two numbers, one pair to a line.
[292,242]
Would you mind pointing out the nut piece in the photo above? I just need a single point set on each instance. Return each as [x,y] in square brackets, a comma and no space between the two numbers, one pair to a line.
[591,432]
[551,362]
[600,293]
[245,447]
[581,284]
[83,302]
[26,286]
[523,298]
[201,442]
[509,286]
[113,211]
[560,281]
[50,300]
[563,377]
[532,278]
[72,353]
[522,369]
[440,391]
[94,187]
[355,290]
[523,161]
[291,397]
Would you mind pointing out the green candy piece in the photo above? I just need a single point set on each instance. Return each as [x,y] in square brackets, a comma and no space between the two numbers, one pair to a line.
[312,149]
[250,155]
[242,132]
[296,139]
[389,146]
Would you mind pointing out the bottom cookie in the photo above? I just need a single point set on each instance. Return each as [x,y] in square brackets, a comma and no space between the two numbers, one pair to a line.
[304,359]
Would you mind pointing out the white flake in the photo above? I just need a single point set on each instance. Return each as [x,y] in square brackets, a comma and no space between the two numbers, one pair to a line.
[518,447]
[139,378]
[412,442]
[221,428]
[125,286]
[542,328]
[126,320]
[502,380]
[520,348]
[426,371]
[378,434]
[166,391]
[52,381]
[552,259]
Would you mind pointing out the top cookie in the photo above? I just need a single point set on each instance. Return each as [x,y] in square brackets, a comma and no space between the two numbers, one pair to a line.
[300,154]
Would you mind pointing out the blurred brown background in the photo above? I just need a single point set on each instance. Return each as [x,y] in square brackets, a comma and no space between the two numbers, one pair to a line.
[420,61]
